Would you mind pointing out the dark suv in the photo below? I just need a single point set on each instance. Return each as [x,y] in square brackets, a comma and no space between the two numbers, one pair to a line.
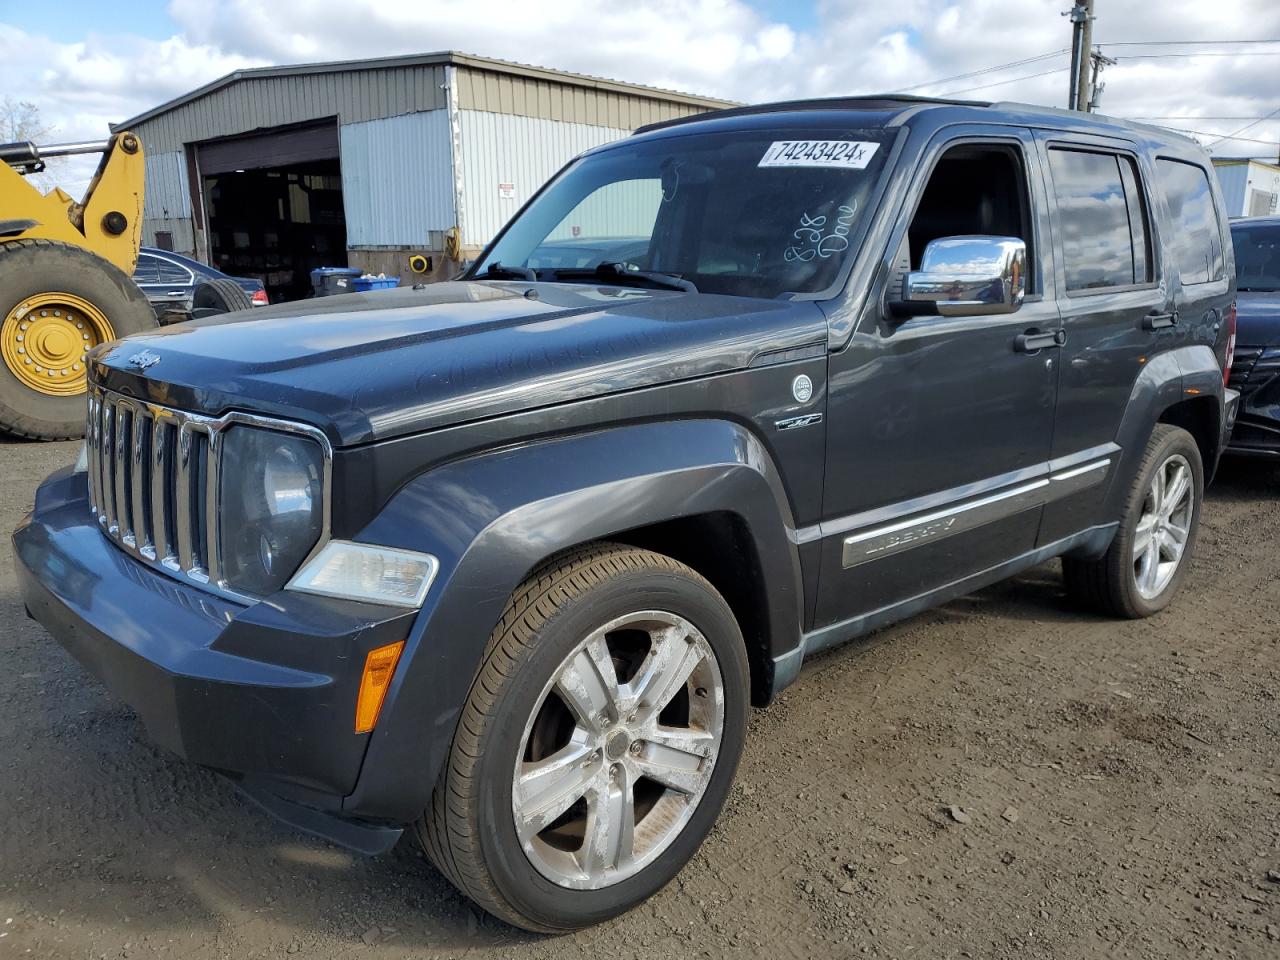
[1255,371]
[506,560]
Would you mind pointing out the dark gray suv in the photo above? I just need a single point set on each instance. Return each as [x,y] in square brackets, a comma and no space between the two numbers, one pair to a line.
[506,560]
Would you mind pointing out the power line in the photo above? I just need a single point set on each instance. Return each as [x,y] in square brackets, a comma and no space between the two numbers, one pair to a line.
[1203,133]
[997,83]
[1232,136]
[1207,53]
[984,70]
[1179,43]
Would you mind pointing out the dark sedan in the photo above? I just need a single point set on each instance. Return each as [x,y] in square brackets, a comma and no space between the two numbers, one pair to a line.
[1255,371]
[180,285]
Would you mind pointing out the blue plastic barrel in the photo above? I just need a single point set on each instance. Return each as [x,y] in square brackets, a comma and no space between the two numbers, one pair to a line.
[326,281]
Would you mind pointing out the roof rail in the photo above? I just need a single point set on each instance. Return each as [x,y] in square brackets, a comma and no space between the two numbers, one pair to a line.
[886,101]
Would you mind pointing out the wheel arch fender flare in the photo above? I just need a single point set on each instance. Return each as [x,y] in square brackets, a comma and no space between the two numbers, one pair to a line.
[492,518]
[1166,379]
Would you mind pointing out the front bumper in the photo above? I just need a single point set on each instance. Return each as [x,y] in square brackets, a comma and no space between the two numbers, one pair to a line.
[1256,372]
[1257,426]
[265,693]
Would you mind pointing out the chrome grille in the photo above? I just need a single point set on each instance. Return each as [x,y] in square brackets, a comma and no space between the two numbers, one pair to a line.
[153,482]
[1251,367]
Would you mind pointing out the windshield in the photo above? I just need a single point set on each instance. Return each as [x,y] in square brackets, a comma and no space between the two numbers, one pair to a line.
[1257,257]
[757,213]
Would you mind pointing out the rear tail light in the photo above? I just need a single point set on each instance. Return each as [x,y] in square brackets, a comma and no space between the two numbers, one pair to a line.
[260,298]
[1231,343]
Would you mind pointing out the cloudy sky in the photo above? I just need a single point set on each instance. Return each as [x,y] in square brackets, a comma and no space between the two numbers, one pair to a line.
[85,63]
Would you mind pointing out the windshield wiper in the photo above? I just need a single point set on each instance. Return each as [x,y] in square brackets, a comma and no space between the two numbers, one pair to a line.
[621,273]
[498,271]
[1257,290]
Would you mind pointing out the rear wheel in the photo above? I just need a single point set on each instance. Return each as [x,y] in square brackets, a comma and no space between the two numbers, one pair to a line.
[598,742]
[1147,562]
[57,302]
[220,295]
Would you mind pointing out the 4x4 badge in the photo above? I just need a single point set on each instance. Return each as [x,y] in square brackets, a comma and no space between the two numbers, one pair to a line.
[802,388]
[144,359]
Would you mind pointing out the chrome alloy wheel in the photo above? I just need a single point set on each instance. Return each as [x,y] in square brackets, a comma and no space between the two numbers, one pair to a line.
[1160,539]
[619,750]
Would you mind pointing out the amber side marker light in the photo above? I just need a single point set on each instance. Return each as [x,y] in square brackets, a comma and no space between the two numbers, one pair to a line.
[379,668]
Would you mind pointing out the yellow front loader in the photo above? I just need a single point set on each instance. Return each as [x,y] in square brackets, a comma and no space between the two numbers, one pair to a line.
[65,282]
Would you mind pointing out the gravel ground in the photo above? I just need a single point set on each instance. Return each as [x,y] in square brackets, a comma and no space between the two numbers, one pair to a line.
[1000,777]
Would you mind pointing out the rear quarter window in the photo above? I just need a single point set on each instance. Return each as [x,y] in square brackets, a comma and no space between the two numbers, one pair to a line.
[1195,237]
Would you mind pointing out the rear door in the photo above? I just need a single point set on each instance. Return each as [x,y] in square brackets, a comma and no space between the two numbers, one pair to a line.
[940,427]
[1116,302]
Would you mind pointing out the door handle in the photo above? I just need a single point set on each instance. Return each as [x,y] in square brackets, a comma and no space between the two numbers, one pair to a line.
[1034,341]
[1156,321]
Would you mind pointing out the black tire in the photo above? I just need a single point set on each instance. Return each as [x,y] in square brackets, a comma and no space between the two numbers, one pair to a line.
[1108,584]
[221,296]
[468,831]
[31,267]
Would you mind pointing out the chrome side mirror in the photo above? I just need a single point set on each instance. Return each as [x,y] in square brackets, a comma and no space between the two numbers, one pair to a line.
[967,277]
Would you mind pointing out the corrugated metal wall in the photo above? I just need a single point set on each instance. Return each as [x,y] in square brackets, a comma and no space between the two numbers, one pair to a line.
[397,179]
[166,192]
[256,102]
[491,91]
[166,204]
[1233,178]
[181,232]
[524,152]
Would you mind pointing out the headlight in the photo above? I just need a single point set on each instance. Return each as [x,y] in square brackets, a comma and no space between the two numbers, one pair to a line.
[272,513]
[359,571]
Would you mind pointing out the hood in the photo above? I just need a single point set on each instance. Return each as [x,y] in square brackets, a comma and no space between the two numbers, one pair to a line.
[368,367]
[1258,319]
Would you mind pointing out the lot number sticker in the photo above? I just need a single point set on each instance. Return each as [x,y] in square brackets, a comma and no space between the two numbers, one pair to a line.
[843,154]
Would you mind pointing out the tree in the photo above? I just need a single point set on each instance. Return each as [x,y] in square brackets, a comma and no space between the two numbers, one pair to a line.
[20,120]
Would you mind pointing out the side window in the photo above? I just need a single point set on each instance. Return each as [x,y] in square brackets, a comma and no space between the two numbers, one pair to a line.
[145,271]
[1196,240]
[974,189]
[1102,219]
[172,273]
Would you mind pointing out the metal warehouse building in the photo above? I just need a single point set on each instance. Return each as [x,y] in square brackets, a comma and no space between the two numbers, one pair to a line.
[274,171]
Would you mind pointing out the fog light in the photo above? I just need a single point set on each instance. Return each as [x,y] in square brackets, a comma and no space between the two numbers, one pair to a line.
[359,571]
[379,668]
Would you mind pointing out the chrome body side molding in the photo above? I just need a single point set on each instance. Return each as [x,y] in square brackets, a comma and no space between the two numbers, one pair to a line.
[886,539]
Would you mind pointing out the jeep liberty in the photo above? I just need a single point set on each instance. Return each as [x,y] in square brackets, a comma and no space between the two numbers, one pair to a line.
[505,561]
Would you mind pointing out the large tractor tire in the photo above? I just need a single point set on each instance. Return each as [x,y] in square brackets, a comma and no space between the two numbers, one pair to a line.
[56,302]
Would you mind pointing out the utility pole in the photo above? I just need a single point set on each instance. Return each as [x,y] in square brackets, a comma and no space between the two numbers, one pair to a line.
[1086,49]
[1095,85]
[1081,16]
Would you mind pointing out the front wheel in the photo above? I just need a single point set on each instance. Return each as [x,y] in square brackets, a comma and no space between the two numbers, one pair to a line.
[598,742]
[1147,562]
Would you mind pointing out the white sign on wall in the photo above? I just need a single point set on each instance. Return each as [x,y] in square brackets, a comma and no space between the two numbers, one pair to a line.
[506,191]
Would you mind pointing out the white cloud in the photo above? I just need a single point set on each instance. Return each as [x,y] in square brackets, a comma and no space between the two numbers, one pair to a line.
[718,47]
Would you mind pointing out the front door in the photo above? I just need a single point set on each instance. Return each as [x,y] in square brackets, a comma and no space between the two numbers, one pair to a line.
[940,428]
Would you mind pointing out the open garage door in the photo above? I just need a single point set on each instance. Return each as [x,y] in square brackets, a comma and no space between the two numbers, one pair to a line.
[273,204]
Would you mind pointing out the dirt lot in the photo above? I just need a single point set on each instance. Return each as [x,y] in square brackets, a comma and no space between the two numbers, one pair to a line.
[1120,784]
